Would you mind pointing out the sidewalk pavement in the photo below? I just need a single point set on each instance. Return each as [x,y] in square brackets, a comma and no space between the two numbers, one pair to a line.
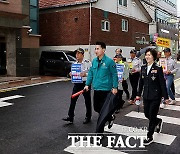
[11,82]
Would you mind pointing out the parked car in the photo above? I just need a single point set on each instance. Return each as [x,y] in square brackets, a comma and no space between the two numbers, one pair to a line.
[56,62]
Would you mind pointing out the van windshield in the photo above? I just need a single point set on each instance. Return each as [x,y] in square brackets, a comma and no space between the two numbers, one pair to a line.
[71,58]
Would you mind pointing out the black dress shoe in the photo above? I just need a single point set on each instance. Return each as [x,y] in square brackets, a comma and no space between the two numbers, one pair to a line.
[68,119]
[111,122]
[86,120]
[117,111]
[148,141]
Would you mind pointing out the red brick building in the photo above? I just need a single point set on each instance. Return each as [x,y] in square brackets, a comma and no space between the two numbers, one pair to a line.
[68,24]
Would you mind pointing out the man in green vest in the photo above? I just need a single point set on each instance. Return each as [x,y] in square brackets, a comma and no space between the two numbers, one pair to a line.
[103,77]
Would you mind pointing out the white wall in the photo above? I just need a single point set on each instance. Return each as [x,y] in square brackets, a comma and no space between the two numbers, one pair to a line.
[110,50]
[132,11]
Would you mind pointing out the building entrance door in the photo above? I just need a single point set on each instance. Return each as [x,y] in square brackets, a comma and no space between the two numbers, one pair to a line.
[3,70]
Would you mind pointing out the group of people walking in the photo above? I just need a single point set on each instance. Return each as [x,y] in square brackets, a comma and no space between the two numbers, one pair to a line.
[149,79]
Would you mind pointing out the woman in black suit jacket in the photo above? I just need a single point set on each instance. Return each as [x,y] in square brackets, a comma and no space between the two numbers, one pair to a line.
[153,85]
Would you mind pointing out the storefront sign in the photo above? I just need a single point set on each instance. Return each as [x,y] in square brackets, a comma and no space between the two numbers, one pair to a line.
[163,42]
[155,37]
[142,41]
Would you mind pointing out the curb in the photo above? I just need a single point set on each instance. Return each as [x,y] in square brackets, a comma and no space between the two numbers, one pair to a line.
[25,82]
[20,80]
[34,84]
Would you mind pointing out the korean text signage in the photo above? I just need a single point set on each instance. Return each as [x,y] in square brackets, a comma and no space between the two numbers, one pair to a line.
[163,63]
[163,42]
[76,71]
[120,70]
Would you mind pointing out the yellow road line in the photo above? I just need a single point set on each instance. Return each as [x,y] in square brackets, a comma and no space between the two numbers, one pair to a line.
[6,90]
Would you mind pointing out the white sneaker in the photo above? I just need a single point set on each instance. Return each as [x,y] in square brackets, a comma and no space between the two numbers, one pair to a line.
[173,102]
[162,105]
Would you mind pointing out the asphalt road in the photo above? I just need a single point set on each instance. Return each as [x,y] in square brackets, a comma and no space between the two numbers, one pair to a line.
[32,123]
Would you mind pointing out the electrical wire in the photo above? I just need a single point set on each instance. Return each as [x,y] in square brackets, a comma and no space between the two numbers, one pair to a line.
[160,8]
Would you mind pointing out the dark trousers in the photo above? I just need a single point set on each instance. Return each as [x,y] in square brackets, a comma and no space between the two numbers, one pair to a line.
[151,108]
[120,100]
[99,99]
[87,96]
[173,88]
[134,79]
[125,87]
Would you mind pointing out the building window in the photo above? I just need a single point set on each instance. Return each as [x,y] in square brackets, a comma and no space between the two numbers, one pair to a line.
[123,3]
[105,25]
[34,16]
[124,25]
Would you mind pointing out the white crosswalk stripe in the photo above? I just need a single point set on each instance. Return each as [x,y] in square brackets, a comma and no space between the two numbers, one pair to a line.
[177,99]
[90,150]
[3,104]
[170,120]
[10,97]
[130,131]
[3,100]
[172,107]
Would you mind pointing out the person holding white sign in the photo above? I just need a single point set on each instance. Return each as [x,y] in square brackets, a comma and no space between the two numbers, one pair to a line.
[85,66]
[124,73]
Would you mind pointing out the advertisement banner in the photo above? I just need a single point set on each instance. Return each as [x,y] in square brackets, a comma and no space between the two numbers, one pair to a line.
[163,42]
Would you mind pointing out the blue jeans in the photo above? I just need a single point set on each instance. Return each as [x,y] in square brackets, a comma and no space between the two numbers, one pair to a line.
[169,80]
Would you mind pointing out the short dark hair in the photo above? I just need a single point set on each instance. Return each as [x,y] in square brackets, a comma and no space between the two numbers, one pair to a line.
[102,44]
[133,51]
[153,52]
[167,50]
[119,50]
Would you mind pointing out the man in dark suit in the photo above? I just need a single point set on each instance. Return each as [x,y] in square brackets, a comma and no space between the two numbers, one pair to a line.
[153,85]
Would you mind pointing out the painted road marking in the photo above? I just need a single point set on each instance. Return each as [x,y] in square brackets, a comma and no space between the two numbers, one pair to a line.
[170,120]
[3,103]
[132,131]
[172,107]
[90,150]
[6,90]
[178,99]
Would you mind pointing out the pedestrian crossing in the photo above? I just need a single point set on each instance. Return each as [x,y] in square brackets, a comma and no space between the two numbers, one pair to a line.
[160,138]
[166,119]
[172,107]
